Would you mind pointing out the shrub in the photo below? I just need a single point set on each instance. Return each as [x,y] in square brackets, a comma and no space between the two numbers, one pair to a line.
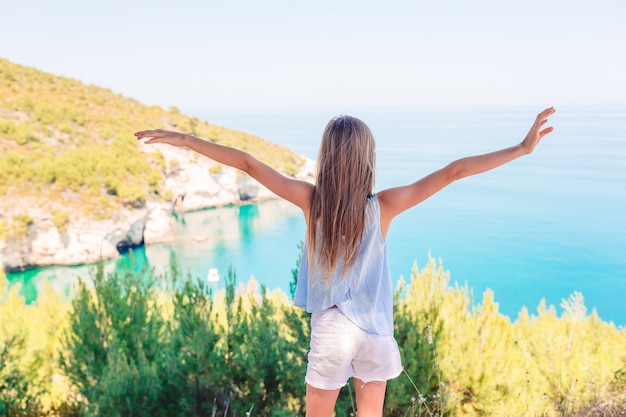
[18,396]
[137,344]
[29,350]
[20,225]
[61,219]
[216,168]
[115,342]
[19,133]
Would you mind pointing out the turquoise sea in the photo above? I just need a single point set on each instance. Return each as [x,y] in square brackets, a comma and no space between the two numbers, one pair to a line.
[541,227]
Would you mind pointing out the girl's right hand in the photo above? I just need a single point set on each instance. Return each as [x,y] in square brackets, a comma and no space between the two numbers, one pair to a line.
[162,136]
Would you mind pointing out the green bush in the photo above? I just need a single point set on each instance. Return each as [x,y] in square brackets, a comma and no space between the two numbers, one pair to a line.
[19,133]
[29,351]
[18,395]
[137,344]
[115,343]
[541,365]
[128,356]
[216,168]
[418,325]
[20,225]
[61,220]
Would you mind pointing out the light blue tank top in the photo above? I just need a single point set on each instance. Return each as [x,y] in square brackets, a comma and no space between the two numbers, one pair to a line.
[364,294]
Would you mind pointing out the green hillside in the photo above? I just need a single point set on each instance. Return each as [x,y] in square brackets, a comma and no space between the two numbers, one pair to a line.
[60,138]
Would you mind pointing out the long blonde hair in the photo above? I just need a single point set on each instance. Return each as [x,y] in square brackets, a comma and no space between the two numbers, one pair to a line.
[345,180]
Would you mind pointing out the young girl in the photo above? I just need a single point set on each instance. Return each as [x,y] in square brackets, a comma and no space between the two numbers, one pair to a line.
[344,275]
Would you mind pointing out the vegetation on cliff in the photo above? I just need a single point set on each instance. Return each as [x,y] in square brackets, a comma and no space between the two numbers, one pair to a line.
[67,142]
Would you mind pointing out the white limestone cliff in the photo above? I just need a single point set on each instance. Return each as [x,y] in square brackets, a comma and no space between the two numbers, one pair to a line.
[193,182]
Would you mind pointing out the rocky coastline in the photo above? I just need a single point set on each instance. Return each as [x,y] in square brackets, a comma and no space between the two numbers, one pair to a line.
[194,182]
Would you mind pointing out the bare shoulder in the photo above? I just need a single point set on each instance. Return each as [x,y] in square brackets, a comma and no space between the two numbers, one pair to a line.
[302,196]
[387,213]
[298,192]
[394,201]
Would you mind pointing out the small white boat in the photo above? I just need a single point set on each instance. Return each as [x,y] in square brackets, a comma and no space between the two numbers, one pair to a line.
[213,275]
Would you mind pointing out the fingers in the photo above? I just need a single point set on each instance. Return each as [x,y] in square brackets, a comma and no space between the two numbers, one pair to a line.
[542,119]
[161,136]
[147,133]
[545,131]
[537,132]
[543,116]
[546,113]
[153,135]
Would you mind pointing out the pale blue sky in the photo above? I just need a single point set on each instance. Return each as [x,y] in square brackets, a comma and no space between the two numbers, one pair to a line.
[279,54]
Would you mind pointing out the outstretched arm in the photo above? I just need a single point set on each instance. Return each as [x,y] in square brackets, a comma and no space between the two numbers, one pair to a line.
[295,191]
[394,201]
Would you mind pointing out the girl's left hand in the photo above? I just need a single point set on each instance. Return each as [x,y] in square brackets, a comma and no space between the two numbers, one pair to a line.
[536,133]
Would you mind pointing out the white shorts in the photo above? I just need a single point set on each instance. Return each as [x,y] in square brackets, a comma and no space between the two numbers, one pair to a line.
[341,350]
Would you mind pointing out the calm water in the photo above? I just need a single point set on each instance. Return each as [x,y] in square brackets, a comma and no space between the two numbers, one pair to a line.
[543,226]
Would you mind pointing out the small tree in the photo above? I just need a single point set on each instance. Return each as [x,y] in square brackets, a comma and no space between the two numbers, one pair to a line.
[18,396]
[115,343]
[194,367]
